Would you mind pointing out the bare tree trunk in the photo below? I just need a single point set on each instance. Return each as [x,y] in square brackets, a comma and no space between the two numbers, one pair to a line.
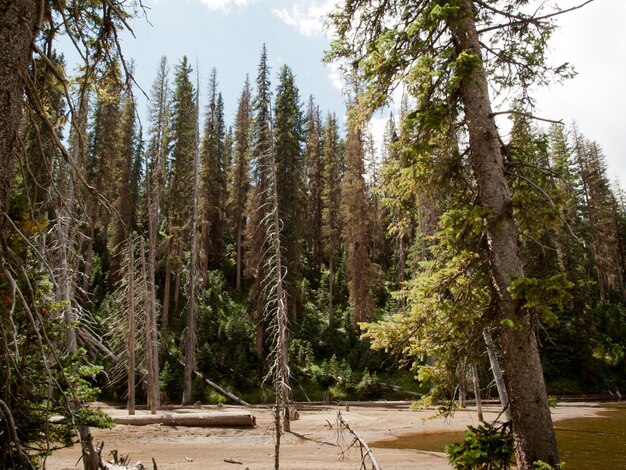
[497,373]
[239,253]
[401,271]
[177,278]
[165,316]
[477,397]
[532,424]
[91,231]
[152,346]
[190,335]
[461,370]
[131,327]
[331,276]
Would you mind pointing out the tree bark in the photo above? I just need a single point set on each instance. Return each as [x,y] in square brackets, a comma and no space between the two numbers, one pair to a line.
[152,347]
[131,328]
[477,397]
[18,19]
[165,313]
[497,374]
[190,335]
[189,419]
[532,424]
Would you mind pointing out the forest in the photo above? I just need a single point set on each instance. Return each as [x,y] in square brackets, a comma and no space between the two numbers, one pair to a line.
[283,257]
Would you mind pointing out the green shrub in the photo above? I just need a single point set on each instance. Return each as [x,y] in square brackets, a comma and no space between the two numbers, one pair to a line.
[485,447]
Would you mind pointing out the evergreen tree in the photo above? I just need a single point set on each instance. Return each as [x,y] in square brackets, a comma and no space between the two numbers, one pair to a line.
[123,172]
[240,180]
[262,147]
[600,214]
[486,47]
[331,205]
[290,185]
[213,185]
[102,160]
[356,224]
[314,179]
[180,179]
[156,170]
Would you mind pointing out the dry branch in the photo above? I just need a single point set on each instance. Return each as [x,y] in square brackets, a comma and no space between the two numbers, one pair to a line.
[365,450]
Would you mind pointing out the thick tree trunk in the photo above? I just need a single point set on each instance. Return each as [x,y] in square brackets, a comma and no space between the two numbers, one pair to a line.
[532,423]
[18,20]
[226,419]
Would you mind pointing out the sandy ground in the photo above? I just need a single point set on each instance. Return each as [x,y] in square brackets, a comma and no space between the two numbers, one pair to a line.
[312,444]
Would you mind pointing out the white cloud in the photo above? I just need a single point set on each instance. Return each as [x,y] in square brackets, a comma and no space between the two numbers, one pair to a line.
[309,19]
[595,98]
[225,4]
[335,76]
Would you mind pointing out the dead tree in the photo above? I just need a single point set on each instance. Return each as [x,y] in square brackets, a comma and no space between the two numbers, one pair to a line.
[276,312]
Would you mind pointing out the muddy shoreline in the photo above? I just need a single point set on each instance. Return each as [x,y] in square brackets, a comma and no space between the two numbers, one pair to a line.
[313,443]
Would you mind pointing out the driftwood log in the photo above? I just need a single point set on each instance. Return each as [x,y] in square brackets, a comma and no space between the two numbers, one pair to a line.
[190,419]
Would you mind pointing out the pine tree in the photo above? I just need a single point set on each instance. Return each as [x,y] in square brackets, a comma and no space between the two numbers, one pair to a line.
[240,180]
[331,205]
[255,234]
[601,215]
[183,132]
[288,139]
[213,186]
[156,170]
[123,172]
[314,179]
[356,224]
[486,48]
[102,159]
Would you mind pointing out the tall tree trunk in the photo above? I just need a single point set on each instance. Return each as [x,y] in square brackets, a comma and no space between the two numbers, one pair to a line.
[91,232]
[477,397]
[152,346]
[165,313]
[190,336]
[177,277]
[462,373]
[497,373]
[401,270]
[331,276]
[240,224]
[18,20]
[131,327]
[532,424]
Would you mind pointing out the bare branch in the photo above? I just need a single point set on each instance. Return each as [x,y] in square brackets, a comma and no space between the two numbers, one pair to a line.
[527,115]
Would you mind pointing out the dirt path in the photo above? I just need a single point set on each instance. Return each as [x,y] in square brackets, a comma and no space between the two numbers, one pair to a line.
[312,444]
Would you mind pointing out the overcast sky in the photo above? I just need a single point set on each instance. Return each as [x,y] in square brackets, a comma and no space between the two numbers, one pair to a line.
[228,35]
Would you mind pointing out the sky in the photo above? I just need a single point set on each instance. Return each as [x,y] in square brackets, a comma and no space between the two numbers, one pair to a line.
[229,34]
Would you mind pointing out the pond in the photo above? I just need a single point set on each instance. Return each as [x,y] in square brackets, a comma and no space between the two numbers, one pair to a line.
[597,443]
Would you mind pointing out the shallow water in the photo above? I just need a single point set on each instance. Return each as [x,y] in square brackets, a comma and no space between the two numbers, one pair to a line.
[596,443]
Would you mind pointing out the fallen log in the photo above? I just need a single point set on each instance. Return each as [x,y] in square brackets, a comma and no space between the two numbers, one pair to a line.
[190,419]
[216,387]
[221,391]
